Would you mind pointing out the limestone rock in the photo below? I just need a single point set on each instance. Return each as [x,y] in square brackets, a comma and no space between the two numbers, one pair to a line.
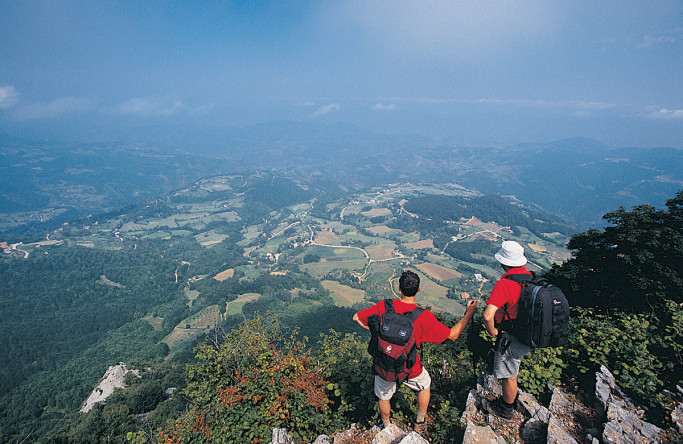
[488,382]
[113,378]
[625,426]
[475,434]
[347,435]
[677,417]
[471,407]
[413,438]
[557,434]
[322,439]
[607,391]
[559,402]
[604,381]
[280,436]
[389,435]
[529,406]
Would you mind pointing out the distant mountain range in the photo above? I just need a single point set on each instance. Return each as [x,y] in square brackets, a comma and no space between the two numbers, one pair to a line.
[43,184]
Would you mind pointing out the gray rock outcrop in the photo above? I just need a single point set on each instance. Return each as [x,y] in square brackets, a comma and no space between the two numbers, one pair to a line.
[389,435]
[113,378]
[475,434]
[560,422]
[624,422]
[566,420]
[677,417]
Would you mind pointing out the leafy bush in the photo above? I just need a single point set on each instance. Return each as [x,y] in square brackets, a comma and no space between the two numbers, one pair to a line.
[539,368]
[251,382]
[345,361]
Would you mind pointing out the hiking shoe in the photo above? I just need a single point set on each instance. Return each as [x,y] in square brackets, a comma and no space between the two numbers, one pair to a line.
[500,409]
[420,427]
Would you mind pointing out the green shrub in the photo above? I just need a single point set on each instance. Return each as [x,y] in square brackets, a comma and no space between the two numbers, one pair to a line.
[253,381]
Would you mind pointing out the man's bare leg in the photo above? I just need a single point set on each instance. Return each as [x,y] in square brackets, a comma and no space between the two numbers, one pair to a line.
[509,390]
[423,397]
[385,409]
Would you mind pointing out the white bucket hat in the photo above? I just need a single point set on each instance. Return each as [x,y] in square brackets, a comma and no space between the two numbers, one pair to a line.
[511,254]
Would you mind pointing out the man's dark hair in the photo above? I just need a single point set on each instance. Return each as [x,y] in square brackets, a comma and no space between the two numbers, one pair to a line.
[409,283]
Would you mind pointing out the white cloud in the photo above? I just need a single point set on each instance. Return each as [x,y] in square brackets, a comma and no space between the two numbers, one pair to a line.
[383,107]
[327,109]
[667,114]
[54,108]
[308,103]
[9,97]
[146,107]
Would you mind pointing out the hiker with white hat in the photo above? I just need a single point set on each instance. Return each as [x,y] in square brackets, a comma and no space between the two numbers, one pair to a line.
[508,350]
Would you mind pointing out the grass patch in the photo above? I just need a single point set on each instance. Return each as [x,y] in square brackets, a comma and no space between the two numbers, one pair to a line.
[191,295]
[377,212]
[320,269]
[235,307]
[343,295]
[154,321]
[439,272]
[381,251]
[225,274]
[210,238]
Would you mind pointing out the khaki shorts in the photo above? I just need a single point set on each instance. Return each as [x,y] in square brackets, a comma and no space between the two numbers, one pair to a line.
[506,364]
[385,390]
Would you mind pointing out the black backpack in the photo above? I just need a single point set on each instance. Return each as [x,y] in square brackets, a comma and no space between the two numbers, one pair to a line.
[393,345]
[542,313]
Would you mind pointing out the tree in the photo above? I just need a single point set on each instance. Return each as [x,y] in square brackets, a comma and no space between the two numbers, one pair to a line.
[636,264]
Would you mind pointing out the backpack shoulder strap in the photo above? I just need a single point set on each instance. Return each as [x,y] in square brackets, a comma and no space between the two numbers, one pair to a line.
[416,313]
[521,278]
[389,306]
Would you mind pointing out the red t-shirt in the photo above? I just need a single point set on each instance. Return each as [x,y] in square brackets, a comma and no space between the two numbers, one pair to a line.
[426,327]
[506,292]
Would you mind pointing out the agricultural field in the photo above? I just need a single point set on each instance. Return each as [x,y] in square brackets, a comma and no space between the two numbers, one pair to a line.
[438,272]
[235,307]
[381,230]
[382,251]
[434,295]
[326,238]
[425,244]
[376,212]
[225,274]
[192,328]
[321,269]
[344,296]
[210,238]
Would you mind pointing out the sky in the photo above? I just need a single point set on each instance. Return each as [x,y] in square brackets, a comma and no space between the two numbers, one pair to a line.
[466,72]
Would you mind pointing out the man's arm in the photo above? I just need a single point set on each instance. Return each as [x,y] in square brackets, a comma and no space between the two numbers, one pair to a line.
[458,328]
[357,319]
[489,320]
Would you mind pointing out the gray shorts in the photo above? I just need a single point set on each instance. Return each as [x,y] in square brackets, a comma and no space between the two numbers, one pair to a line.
[385,389]
[506,365]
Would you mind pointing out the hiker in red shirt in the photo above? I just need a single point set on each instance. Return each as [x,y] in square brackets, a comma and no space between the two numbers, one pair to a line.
[508,350]
[426,329]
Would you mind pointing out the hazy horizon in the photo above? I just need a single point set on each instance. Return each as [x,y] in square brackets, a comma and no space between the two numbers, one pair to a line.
[466,73]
